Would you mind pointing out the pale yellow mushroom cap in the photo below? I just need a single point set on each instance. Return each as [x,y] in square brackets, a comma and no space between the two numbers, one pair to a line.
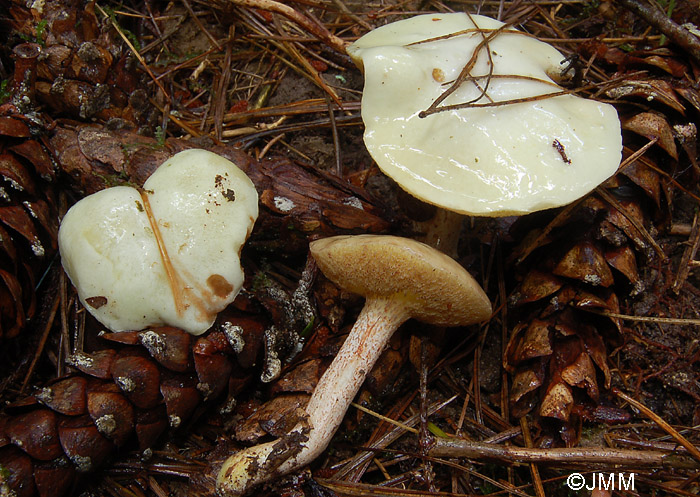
[167,254]
[507,159]
[433,287]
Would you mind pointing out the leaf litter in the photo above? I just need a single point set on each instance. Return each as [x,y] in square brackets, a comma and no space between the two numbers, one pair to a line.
[592,353]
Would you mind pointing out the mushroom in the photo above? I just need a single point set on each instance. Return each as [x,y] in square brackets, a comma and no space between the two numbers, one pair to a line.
[167,253]
[400,279]
[508,140]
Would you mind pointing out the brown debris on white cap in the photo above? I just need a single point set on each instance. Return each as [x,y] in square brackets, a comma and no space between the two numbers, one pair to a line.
[400,279]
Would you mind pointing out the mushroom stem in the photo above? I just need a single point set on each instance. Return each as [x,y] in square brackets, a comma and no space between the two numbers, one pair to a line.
[336,389]
[377,321]
[441,231]
[431,224]
[401,279]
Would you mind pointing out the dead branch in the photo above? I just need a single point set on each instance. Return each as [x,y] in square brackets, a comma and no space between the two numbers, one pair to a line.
[312,27]
[681,36]
[445,447]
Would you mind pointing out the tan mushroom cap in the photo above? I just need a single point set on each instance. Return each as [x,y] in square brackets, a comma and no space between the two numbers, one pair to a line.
[432,287]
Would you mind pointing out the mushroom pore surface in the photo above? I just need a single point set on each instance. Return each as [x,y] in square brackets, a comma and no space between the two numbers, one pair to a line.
[164,254]
[431,286]
[493,152]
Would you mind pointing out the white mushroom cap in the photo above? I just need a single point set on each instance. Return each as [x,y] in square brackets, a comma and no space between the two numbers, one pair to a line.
[430,286]
[203,208]
[501,160]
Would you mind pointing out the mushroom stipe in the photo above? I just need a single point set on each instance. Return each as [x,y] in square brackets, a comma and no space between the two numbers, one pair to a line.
[400,279]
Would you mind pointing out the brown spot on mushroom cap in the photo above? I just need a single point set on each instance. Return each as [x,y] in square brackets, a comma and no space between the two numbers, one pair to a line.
[219,285]
[96,302]
[433,287]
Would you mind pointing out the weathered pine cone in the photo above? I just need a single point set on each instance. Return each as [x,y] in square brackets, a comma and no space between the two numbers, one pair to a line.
[82,70]
[571,269]
[151,381]
[28,219]
[296,201]
[156,378]
[558,349]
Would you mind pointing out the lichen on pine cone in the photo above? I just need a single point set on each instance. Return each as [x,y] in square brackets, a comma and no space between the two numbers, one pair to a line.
[129,394]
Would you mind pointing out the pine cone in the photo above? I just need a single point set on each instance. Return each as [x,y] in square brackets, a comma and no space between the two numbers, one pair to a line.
[28,213]
[83,72]
[149,382]
[558,350]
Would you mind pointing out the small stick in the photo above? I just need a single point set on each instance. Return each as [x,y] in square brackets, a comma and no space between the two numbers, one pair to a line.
[681,229]
[42,342]
[153,21]
[636,155]
[398,424]
[63,352]
[424,434]
[680,36]
[364,490]
[186,63]
[171,117]
[647,319]
[136,53]
[355,467]
[607,196]
[449,447]
[317,29]
[269,145]
[222,86]
[688,256]
[466,70]
[200,25]
[692,449]
[669,177]
[351,14]
[534,470]
[521,253]
[336,139]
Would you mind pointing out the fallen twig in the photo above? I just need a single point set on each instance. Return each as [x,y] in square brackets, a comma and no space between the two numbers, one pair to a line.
[647,319]
[692,449]
[450,447]
[312,27]
[136,53]
[688,256]
[610,199]
[678,34]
